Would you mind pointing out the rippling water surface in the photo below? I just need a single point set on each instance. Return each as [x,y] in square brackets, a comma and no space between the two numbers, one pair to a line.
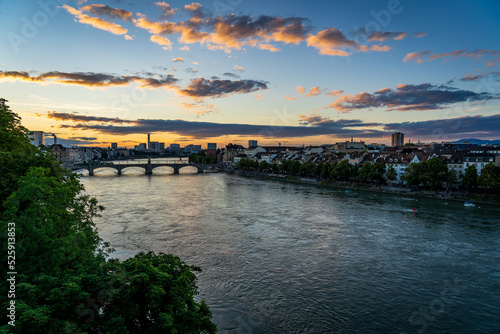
[286,258]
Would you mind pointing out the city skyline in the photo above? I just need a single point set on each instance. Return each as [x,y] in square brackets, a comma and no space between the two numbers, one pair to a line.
[96,72]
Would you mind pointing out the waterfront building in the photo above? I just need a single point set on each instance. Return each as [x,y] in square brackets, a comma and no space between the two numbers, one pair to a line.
[231,151]
[478,159]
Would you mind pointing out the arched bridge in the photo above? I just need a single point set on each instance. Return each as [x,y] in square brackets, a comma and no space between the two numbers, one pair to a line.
[148,167]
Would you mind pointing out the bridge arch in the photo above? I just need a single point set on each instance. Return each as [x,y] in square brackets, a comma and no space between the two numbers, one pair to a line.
[123,168]
[102,168]
[159,168]
[198,169]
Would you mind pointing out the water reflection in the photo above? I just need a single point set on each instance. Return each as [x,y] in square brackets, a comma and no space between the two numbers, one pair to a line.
[281,258]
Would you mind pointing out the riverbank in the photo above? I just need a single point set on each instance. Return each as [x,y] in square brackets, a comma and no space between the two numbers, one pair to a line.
[450,195]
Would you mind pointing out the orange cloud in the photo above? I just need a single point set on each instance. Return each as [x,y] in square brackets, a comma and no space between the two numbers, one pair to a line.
[238,68]
[96,22]
[166,9]
[300,89]
[425,56]
[161,41]
[289,98]
[328,42]
[410,97]
[192,7]
[156,28]
[269,47]
[202,88]
[335,93]
[314,91]
[128,38]
[90,79]
[199,108]
[378,36]
[178,59]
[104,10]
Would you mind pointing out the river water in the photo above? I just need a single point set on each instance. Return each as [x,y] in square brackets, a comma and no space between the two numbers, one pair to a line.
[287,258]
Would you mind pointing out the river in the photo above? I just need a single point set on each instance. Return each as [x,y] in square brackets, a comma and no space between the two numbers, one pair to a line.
[288,258]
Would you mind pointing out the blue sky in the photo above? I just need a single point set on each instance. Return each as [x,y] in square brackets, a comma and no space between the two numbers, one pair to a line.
[96,72]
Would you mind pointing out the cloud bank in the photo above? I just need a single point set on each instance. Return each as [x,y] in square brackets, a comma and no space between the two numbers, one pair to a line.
[410,97]
[233,31]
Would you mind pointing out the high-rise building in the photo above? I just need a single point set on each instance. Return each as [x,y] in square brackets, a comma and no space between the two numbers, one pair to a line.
[252,143]
[149,141]
[140,147]
[37,138]
[398,139]
[154,146]
[114,146]
[212,146]
[175,146]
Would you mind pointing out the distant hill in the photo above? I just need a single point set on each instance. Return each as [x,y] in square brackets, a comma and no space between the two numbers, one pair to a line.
[477,141]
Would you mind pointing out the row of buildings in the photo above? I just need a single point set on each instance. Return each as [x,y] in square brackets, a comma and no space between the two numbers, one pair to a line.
[154,146]
[455,157]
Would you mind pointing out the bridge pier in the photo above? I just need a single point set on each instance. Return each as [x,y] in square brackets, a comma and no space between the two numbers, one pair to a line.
[149,168]
[91,170]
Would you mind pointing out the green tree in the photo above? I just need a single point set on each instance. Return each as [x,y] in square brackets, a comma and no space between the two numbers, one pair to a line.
[294,167]
[377,173]
[66,283]
[344,171]
[391,174]
[435,173]
[364,171]
[413,174]
[490,178]
[264,166]
[318,169]
[306,169]
[326,170]
[152,293]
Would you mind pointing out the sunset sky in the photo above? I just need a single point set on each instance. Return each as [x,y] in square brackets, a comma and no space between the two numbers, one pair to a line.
[95,72]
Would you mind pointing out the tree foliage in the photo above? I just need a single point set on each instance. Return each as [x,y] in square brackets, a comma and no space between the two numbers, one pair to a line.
[429,174]
[490,178]
[66,282]
[201,157]
[391,174]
